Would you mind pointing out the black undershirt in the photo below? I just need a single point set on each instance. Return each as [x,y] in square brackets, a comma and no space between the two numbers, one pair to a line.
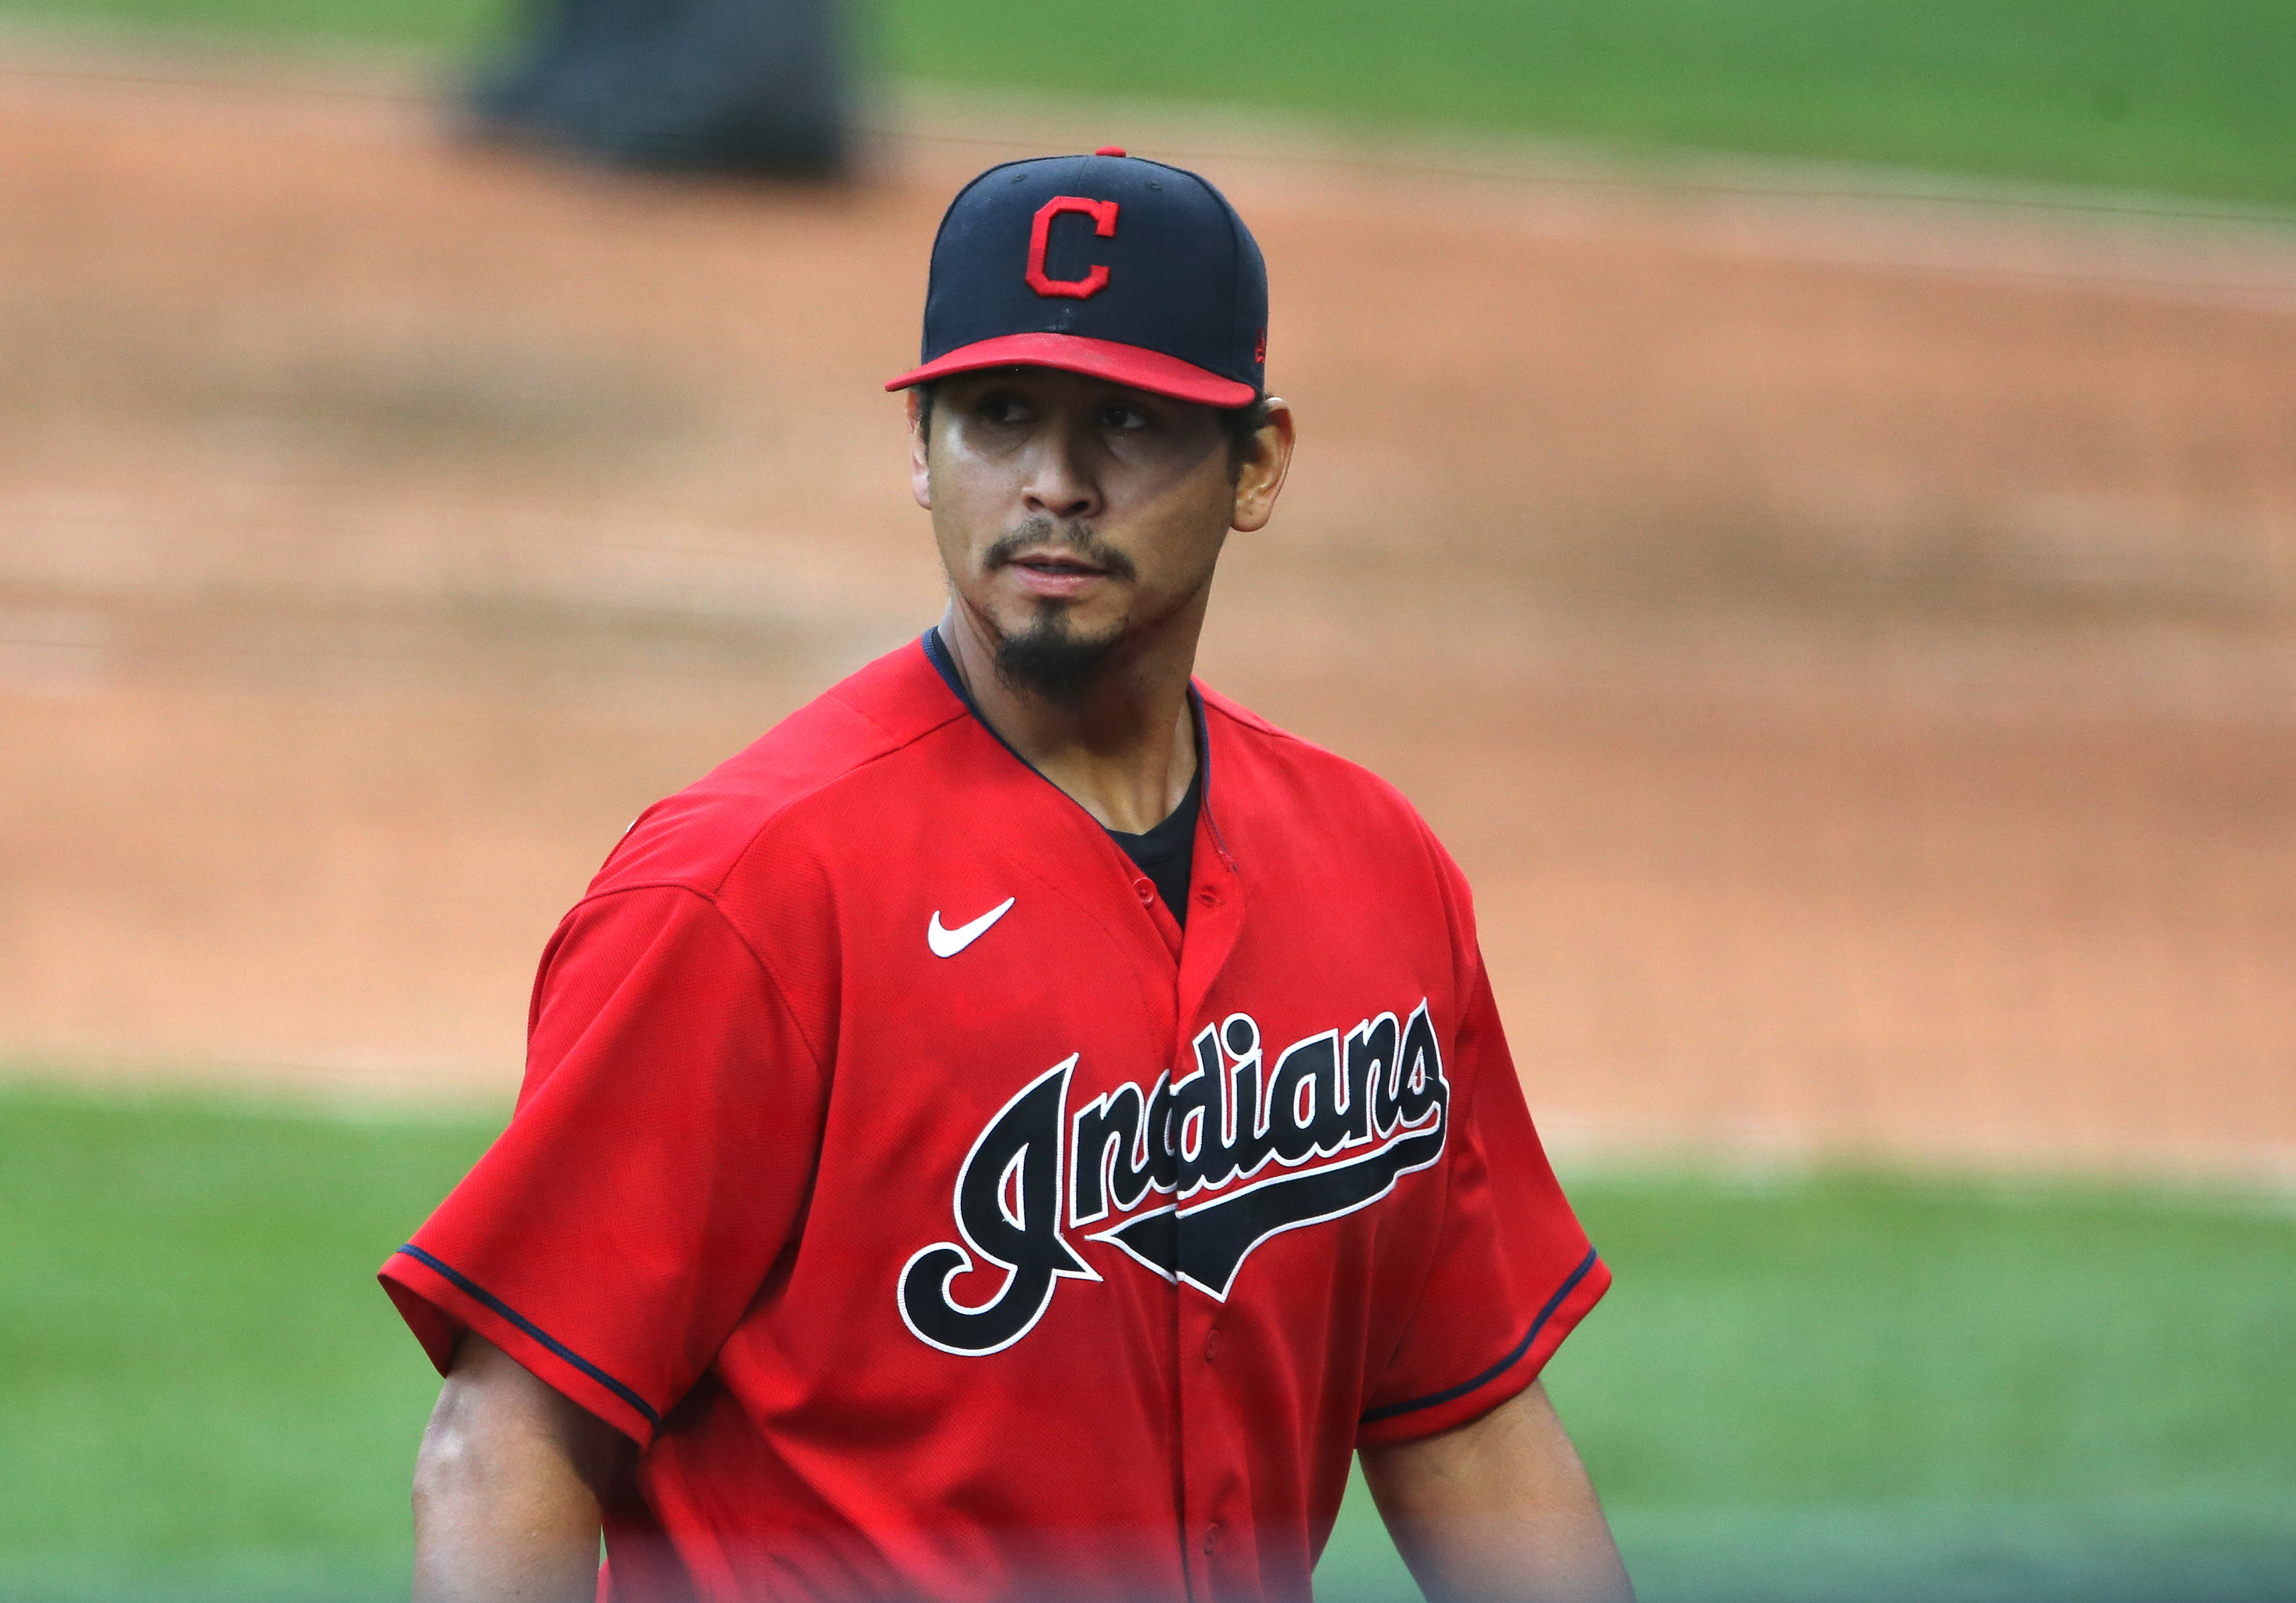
[1164,853]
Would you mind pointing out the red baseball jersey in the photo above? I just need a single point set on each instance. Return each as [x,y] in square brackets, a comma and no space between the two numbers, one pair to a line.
[943,1223]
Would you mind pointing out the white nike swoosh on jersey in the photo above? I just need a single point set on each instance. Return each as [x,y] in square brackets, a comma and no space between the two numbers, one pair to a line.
[947,942]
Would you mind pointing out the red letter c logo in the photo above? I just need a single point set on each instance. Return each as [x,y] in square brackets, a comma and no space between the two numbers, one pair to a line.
[1103,216]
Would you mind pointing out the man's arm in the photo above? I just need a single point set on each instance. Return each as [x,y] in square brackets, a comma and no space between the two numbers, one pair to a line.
[1499,1510]
[506,1487]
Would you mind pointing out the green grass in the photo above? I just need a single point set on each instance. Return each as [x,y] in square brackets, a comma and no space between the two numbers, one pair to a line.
[2193,97]
[198,1372]
[1867,1388]
[446,28]
[1828,1388]
[2198,96]
[1852,1341]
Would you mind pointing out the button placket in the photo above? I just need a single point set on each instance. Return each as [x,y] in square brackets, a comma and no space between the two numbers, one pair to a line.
[1206,1430]
[1207,1425]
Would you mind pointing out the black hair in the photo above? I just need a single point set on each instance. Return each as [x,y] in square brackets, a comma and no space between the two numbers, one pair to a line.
[1242,424]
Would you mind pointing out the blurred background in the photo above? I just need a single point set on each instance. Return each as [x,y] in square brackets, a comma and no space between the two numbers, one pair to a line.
[1801,493]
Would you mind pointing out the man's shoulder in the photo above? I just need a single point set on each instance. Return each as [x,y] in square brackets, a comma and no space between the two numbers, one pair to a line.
[1308,819]
[1273,757]
[835,741]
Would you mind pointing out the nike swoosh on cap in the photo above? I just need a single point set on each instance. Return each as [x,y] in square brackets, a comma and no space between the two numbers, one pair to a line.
[947,942]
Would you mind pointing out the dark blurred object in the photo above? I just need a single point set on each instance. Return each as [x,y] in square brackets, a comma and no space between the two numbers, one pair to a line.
[703,86]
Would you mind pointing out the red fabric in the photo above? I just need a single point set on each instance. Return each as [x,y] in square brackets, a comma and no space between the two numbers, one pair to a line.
[730,1214]
[1131,365]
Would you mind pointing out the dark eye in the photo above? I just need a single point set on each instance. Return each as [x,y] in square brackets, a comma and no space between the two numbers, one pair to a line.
[1117,415]
[1001,407]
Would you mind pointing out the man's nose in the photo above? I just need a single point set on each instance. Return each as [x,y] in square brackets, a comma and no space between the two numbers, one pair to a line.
[1061,484]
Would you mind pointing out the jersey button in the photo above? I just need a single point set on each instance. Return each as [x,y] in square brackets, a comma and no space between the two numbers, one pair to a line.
[1212,1536]
[1212,1348]
[1146,890]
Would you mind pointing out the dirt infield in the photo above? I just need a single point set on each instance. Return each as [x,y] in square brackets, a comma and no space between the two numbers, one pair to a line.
[1851,646]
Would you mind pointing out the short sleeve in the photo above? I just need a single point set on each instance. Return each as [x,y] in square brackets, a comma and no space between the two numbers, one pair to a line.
[1511,1272]
[665,1138]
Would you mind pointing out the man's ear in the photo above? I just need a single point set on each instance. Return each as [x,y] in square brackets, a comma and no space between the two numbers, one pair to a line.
[919,464]
[1261,478]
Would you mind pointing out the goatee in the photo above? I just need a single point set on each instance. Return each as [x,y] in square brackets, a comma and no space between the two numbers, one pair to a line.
[1049,661]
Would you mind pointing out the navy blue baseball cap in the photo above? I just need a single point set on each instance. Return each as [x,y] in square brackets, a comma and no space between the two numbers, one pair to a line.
[1107,264]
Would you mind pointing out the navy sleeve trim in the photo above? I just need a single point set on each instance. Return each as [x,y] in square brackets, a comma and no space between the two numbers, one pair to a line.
[470,1288]
[1451,1393]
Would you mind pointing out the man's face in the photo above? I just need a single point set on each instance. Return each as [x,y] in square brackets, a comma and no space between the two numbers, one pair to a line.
[1074,514]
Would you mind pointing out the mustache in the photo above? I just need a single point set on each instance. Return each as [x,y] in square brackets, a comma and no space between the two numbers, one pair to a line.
[1080,539]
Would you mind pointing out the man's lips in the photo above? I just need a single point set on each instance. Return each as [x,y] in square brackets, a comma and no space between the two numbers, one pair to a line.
[1054,572]
[1058,561]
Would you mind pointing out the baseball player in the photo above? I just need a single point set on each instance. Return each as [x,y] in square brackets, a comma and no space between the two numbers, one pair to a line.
[1019,1129]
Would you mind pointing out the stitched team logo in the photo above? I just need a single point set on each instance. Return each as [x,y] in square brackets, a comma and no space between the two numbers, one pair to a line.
[1102,214]
[1327,1131]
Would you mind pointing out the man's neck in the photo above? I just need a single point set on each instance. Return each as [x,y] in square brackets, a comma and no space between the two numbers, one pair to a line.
[1125,751]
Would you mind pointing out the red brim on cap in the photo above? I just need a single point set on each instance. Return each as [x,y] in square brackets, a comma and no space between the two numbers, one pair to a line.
[1130,365]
